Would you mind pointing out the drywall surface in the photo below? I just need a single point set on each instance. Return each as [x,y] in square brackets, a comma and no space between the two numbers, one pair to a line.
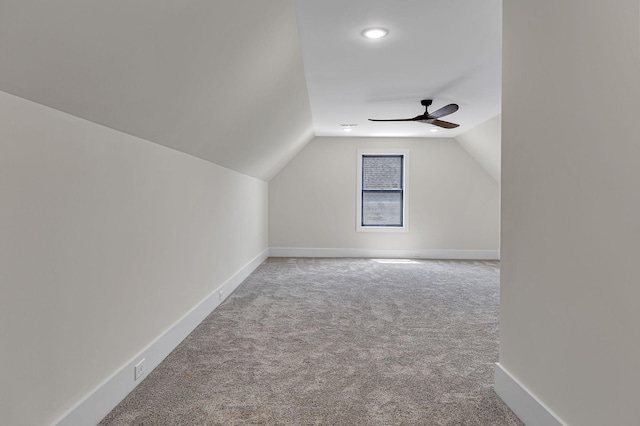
[570,206]
[483,144]
[106,240]
[453,202]
[209,78]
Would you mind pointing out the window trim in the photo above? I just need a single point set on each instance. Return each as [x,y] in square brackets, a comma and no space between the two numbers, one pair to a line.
[405,191]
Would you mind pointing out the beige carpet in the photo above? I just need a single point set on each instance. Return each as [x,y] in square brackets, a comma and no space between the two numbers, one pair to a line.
[336,342]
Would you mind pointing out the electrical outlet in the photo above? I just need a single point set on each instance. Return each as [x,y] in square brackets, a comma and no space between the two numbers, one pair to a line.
[139,369]
[416,255]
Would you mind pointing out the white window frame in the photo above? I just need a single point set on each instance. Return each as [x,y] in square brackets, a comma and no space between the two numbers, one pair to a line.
[405,188]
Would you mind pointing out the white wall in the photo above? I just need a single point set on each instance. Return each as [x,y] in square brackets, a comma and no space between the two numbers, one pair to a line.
[570,302]
[453,202]
[106,240]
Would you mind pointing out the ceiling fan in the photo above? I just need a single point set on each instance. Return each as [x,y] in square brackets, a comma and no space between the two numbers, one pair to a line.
[431,118]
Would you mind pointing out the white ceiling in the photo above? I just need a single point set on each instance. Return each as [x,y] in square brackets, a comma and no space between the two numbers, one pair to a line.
[243,83]
[218,79]
[449,51]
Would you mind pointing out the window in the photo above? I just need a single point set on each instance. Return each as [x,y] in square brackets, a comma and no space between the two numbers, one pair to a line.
[382,191]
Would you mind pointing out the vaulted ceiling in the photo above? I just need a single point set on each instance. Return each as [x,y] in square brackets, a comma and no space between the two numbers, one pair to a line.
[229,81]
[221,80]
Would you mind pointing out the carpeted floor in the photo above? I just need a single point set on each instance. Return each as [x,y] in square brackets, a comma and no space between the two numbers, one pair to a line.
[337,342]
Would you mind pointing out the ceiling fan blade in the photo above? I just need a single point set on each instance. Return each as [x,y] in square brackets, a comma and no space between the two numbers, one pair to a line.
[444,124]
[449,109]
[394,119]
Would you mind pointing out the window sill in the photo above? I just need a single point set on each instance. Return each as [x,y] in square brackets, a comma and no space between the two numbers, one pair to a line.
[392,229]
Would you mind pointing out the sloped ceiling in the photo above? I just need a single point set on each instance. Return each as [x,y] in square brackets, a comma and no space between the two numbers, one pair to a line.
[224,80]
[221,80]
[484,143]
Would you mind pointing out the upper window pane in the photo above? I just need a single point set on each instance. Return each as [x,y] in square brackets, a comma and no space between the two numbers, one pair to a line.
[381,172]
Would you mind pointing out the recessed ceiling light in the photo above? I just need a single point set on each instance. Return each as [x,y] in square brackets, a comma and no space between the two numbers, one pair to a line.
[433,130]
[374,33]
[348,127]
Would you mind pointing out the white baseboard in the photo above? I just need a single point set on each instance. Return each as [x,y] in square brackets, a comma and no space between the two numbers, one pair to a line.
[370,253]
[95,406]
[521,401]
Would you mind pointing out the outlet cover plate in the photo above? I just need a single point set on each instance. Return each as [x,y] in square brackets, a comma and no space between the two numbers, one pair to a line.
[139,369]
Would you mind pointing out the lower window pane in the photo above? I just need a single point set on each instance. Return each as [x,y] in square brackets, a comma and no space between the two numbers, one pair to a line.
[381,208]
